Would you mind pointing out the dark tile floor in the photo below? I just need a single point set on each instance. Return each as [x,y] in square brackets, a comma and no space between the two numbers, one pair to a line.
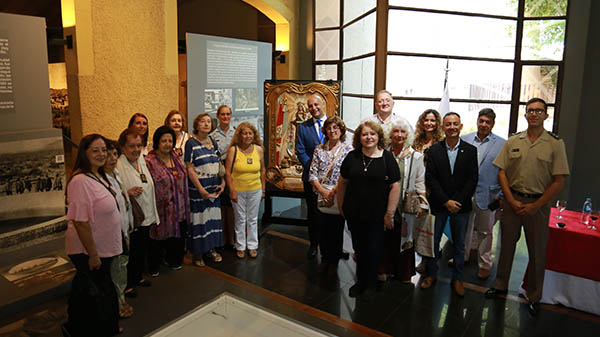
[281,272]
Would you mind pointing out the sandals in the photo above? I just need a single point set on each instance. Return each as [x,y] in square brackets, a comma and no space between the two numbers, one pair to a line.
[216,257]
[253,253]
[125,310]
[199,263]
[240,254]
[130,292]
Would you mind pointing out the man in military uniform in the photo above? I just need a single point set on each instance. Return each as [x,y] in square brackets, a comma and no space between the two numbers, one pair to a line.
[223,134]
[533,166]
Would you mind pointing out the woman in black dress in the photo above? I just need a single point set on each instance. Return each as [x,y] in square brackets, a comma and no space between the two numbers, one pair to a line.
[368,193]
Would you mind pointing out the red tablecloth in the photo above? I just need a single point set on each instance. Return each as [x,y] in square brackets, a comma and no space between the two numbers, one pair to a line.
[574,249]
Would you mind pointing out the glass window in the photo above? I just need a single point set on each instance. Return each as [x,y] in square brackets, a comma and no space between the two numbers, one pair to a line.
[539,8]
[324,72]
[539,81]
[359,76]
[494,7]
[543,40]
[327,45]
[356,109]
[356,8]
[447,34]
[327,13]
[413,76]
[359,37]
[468,112]
[522,122]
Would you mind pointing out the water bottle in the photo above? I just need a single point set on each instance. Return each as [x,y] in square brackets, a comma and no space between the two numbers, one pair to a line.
[586,211]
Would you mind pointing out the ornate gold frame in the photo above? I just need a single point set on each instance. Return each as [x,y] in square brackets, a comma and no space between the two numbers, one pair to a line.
[284,170]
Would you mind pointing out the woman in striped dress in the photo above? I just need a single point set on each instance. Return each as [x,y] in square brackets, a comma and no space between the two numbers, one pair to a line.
[205,186]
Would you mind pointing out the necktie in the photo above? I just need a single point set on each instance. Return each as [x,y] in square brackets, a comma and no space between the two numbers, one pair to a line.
[320,132]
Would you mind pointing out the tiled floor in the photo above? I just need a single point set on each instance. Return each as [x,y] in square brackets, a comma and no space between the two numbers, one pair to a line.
[283,281]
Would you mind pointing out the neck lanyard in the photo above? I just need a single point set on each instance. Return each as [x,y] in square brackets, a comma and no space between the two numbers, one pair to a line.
[113,193]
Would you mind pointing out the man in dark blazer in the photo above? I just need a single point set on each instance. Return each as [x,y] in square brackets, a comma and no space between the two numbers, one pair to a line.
[309,136]
[451,177]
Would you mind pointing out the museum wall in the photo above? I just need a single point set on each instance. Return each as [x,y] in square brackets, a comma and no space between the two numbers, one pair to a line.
[29,70]
[126,63]
[579,117]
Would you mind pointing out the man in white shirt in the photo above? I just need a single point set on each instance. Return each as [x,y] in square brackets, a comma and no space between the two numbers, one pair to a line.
[384,105]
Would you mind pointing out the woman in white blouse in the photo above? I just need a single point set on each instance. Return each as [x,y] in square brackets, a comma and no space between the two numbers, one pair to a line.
[412,170]
[324,175]
[138,183]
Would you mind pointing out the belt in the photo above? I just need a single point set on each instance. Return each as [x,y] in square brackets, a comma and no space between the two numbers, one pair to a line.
[525,195]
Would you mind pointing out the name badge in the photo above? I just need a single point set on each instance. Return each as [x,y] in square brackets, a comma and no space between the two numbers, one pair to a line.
[143,178]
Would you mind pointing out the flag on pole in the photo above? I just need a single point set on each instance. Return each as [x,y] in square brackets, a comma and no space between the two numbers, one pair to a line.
[445,102]
[444,109]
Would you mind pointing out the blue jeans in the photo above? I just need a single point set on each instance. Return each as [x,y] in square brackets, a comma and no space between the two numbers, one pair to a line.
[458,226]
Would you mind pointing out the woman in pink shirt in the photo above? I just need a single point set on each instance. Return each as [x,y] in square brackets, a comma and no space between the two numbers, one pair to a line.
[93,238]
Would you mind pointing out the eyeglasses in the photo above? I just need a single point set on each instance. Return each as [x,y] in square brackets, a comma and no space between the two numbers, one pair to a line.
[536,111]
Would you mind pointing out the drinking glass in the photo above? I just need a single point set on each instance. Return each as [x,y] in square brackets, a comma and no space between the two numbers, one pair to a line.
[595,219]
[561,205]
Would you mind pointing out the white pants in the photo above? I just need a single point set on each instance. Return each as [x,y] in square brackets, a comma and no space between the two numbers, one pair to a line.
[245,213]
[480,234]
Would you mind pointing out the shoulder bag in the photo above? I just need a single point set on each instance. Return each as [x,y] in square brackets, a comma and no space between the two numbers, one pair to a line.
[411,201]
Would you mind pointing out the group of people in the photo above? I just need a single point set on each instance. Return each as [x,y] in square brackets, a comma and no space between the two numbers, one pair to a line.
[137,204]
[465,180]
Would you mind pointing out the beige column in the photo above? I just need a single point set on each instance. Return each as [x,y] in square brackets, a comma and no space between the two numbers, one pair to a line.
[124,60]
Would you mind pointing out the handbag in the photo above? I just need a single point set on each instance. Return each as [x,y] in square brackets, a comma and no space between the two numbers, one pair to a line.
[138,213]
[222,171]
[411,202]
[423,235]
[321,204]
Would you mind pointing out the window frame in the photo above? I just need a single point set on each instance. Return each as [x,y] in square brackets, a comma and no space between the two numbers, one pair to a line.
[382,11]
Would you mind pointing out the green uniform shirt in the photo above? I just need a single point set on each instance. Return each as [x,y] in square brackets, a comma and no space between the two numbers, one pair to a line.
[530,166]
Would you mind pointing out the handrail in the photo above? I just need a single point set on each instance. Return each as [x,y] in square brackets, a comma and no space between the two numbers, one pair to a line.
[70,141]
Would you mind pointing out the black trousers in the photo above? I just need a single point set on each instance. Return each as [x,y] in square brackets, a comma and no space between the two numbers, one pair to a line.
[367,240]
[311,208]
[331,227]
[171,250]
[93,304]
[138,252]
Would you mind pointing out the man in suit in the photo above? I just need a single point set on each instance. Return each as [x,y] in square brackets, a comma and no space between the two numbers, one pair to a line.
[451,176]
[482,219]
[309,136]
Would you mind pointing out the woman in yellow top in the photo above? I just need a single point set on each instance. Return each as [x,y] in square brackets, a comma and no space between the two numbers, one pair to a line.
[245,176]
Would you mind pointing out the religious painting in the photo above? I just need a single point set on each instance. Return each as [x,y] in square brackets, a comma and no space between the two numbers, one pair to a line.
[286,109]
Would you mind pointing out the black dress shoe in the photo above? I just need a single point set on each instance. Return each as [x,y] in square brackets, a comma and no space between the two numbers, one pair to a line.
[312,252]
[356,290]
[493,292]
[533,308]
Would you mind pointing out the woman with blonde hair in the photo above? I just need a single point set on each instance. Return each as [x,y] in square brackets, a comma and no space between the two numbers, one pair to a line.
[368,192]
[245,175]
[429,130]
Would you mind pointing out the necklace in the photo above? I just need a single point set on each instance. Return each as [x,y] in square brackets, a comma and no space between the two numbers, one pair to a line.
[366,165]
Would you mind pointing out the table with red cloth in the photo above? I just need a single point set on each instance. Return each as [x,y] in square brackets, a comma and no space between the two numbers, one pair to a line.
[572,275]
